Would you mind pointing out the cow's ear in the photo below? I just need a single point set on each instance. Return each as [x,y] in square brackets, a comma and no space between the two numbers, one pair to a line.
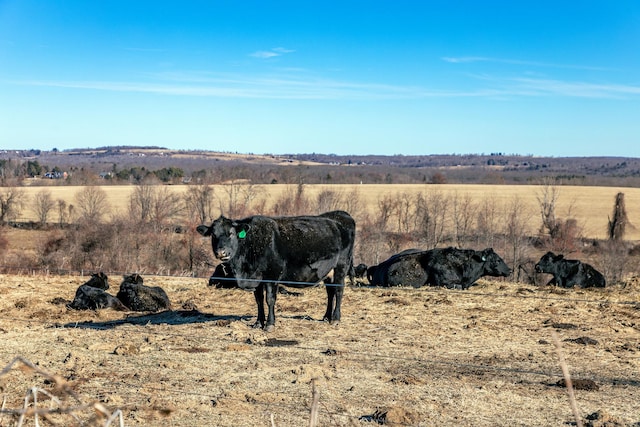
[204,230]
[479,256]
[242,230]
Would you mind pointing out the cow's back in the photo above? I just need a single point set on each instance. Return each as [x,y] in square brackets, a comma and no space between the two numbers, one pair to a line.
[294,249]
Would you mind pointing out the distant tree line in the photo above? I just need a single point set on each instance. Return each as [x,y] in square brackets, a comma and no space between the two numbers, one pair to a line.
[119,166]
[156,233]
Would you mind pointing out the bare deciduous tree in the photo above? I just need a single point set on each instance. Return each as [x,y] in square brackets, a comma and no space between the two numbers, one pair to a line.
[547,200]
[141,203]
[463,213]
[92,203]
[516,218]
[487,223]
[11,203]
[618,224]
[239,198]
[155,205]
[167,206]
[43,204]
[199,202]
[432,211]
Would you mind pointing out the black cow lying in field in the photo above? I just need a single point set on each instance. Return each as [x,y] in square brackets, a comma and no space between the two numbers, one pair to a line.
[446,267]
[264,252]
[378,274]
[139,297]
[92,296]
[568,273]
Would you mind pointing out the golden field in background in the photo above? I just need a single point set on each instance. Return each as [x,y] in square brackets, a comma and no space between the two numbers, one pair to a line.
[590,206]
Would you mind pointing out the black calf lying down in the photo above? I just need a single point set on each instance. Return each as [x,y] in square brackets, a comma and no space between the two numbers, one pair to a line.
[92,296]
[568,273]
[139,297]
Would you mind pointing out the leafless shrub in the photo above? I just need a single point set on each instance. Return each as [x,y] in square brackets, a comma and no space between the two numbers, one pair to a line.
[4,242]
[293,202]
[614,260]
[328,200]
[562,235]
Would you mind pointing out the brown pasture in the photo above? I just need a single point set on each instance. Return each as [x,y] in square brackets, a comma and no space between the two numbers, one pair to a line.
[406,357]
[590,206]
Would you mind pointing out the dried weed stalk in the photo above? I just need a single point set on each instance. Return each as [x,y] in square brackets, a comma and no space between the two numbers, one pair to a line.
[33,401]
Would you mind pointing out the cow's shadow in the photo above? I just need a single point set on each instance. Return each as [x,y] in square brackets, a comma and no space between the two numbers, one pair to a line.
[169,317]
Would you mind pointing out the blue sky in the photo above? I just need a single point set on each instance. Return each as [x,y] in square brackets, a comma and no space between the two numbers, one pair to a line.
[558,78]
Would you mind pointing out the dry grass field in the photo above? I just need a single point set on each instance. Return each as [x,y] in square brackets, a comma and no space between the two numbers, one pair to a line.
[400,356]
[404,357]
[590,206]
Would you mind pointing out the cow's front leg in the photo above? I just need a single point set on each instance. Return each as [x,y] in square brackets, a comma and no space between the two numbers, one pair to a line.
[331,293]
[259,295]
[272,293]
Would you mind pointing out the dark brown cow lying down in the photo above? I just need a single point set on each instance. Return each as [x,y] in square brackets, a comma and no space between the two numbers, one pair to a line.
[92,296]
[139,297]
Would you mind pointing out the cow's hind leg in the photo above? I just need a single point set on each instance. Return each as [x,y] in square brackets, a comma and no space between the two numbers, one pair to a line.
[272,293]
[335,291]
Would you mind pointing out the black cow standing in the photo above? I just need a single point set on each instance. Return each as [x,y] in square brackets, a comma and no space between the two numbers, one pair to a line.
[568,273]
[139,297]
[92,295]
[298,251]
[446,267]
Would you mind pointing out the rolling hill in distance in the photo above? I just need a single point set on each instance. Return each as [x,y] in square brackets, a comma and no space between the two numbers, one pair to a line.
[319,168]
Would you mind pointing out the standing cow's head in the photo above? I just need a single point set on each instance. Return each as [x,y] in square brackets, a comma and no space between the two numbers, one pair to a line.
[225,236]
[547,263]
[493,264]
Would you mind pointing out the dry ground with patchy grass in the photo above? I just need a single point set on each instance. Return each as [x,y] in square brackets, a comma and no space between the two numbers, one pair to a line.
[419,357]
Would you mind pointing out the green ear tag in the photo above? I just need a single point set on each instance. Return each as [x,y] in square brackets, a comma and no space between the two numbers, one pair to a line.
[242,234]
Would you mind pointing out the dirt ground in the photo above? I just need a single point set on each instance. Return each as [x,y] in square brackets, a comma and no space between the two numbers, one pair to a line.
[414,357]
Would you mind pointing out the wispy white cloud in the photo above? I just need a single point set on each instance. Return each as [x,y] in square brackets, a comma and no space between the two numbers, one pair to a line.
[464,59]
[472,59]
[266,54]
[575,89]
[144,49]
[305,86]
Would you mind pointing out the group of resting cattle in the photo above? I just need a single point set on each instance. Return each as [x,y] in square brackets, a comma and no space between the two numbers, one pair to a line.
[133,295]
[261,253]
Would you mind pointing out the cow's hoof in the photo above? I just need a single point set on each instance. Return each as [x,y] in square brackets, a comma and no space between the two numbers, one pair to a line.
[269,328]
[257,325]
